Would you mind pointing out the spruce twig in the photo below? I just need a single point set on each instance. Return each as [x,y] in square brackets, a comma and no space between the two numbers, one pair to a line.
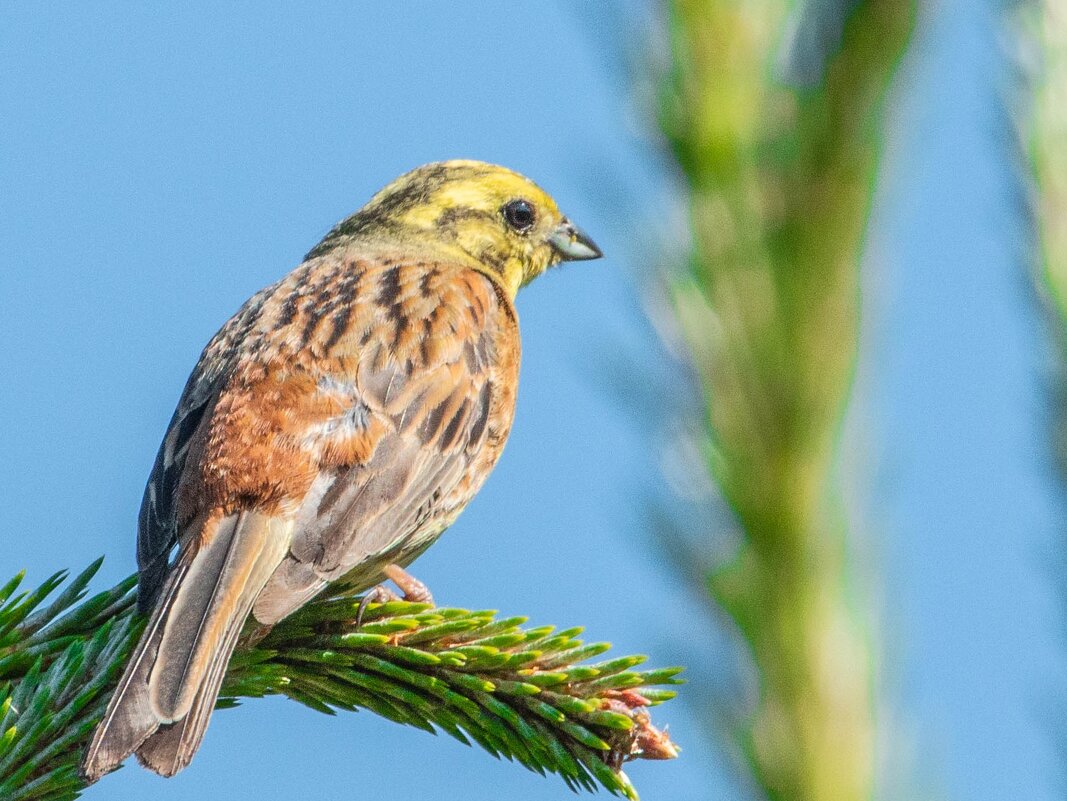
[526,694]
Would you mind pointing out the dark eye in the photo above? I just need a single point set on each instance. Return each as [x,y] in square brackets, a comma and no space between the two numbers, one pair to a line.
[520,215]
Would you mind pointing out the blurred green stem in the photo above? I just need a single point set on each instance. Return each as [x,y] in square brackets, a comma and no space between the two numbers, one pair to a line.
[779,180]
[1048,149]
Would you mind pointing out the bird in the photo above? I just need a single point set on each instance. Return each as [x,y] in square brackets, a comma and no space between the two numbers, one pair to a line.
[331,430]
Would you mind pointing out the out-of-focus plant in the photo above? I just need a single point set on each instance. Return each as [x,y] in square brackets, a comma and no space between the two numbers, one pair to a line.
[772,113]
[1043,46]
[1047,144]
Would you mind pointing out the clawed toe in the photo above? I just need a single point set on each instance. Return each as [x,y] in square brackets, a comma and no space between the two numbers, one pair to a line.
[254,633]
[414,590]
[376,595]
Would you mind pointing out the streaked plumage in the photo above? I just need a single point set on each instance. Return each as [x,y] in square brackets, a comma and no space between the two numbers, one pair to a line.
[338,423]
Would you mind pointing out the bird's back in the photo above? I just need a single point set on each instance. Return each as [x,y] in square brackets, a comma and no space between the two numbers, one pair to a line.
[369,395]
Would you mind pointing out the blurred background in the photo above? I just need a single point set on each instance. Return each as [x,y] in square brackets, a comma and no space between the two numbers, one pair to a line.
[798,431]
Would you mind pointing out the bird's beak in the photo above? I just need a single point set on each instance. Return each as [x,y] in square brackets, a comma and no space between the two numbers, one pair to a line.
[572,243]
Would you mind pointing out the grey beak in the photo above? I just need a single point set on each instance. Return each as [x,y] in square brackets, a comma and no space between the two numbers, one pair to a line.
[572,243]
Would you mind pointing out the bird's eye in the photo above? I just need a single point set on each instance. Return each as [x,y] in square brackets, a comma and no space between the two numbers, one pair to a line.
[519,214]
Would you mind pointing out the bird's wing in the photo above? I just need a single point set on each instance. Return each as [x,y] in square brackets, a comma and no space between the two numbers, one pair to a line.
[367,397]
[417,422]
[158,523]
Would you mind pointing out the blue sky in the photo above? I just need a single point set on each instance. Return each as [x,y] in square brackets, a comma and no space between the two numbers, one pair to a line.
[160,165]
[962,499]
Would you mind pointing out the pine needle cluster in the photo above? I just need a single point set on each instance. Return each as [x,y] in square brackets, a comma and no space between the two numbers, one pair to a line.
[526,694]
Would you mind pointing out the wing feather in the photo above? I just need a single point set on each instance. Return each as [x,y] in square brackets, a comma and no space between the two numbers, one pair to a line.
[426,463]
[393,403]
[158,520]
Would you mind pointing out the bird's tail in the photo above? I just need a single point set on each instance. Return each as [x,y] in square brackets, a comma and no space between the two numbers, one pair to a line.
[168,690]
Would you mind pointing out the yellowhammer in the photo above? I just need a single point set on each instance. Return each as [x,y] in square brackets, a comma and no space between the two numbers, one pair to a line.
[332,429]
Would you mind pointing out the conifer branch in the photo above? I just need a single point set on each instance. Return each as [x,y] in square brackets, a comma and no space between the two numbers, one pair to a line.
[527,694]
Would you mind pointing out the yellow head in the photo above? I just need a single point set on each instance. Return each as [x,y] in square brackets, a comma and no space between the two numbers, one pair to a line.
[505,222]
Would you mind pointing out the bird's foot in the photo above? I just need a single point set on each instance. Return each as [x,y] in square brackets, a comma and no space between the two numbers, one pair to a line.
[414,591]
[253,634]
[375,595]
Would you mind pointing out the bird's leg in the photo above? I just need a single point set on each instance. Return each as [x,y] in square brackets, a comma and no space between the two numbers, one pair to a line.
[414,590]
[254,633]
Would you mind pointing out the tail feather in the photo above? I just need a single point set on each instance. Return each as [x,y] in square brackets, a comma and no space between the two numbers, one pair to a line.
[165,697]
[129,720]
[292,585]
[215,591]
[171,748]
